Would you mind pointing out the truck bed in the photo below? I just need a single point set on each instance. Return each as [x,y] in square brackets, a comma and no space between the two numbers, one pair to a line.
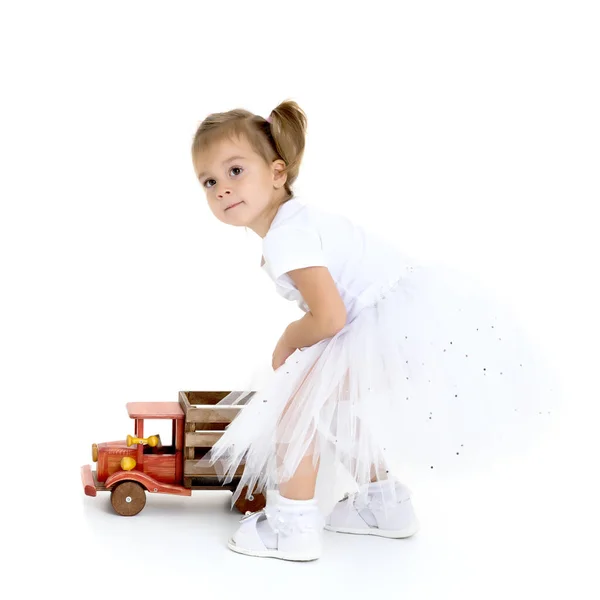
[204,425]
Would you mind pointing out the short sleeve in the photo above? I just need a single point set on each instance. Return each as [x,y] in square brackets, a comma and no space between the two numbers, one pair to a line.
[287,248]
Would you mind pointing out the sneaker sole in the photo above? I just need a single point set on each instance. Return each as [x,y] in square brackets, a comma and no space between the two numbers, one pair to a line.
[402,533]
[271,553]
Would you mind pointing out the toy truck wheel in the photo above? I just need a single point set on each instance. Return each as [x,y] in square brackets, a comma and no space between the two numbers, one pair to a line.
[128,498]
[254,503]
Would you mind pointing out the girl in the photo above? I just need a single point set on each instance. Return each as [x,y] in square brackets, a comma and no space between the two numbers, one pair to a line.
[391,358]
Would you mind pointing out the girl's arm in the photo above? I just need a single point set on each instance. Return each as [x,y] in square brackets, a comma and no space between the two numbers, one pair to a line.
[327,313]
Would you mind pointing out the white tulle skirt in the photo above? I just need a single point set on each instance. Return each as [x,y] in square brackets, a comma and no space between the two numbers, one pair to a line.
[436,373]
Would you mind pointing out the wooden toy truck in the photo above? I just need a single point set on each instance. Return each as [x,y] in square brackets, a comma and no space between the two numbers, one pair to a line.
[130,468]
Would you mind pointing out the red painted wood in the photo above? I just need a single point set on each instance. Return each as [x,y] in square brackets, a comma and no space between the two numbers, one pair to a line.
[154,410]
[161,467]
[178,441]
[139,432]
[148,482]
[88,481]
[109,457]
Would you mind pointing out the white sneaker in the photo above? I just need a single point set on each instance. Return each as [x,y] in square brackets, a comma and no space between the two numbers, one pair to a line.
[376,510]
[293,530]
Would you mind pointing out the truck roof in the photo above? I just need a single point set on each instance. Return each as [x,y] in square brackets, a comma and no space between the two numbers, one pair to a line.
[154,410]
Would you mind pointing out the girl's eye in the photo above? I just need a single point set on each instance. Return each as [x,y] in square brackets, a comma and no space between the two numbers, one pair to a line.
[232,168]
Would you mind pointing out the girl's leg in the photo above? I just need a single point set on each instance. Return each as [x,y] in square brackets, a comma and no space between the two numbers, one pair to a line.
[378,473]
[302,485]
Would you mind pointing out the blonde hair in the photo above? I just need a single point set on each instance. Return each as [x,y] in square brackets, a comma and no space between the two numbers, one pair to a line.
[281,138]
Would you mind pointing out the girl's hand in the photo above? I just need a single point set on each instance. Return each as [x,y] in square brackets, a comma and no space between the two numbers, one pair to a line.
[281,353]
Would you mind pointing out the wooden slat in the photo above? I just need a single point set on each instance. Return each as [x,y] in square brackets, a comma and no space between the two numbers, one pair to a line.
[202,398]
[201,468]
[212,414]
[206,397]
[195,482]
[184,403]
[207,413]
[204,439]
[216,486]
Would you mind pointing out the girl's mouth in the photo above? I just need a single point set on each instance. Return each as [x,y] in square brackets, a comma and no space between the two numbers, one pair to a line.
[234,205]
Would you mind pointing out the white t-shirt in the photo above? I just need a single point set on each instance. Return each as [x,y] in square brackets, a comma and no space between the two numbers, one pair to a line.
[360,263]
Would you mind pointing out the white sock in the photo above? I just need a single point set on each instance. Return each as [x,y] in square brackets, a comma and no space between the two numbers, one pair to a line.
[265,531]
[299,503]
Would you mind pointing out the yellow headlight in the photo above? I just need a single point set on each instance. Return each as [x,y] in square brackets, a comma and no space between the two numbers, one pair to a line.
[127,463]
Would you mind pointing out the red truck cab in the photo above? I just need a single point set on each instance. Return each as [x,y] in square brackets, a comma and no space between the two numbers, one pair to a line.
[129,467]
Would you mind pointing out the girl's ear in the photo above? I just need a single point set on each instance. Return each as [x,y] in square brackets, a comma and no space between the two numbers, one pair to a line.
[280,174]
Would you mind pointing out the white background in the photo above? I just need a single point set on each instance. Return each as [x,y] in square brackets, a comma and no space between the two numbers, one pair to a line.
[466,132]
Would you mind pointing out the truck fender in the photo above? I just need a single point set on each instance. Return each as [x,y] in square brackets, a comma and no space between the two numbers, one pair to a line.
[149,483]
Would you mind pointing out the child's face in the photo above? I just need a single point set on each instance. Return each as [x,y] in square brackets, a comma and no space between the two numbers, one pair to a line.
[238,191]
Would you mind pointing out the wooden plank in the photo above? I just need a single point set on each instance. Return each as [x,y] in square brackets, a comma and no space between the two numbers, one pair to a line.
[196,483]
[202,468]
[201,439]
[210,483]
[217,486]
[213,414]
[206,397]
[183,402]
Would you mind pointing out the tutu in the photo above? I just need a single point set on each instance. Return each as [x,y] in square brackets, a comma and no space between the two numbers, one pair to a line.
[432,372]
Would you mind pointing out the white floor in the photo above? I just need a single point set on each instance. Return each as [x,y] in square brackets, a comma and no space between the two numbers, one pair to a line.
[519,533]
